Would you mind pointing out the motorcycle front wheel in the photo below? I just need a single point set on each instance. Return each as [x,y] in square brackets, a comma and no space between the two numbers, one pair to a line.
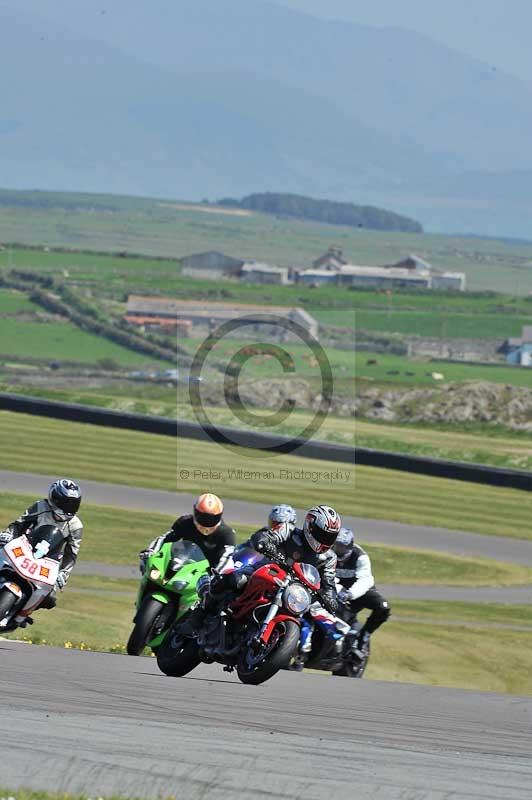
[177,655]
[144,622]
[7,602]
[255,669]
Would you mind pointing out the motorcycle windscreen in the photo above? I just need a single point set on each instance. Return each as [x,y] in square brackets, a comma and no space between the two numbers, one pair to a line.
[184,552]
[47,540]
[247,556]
[308,574]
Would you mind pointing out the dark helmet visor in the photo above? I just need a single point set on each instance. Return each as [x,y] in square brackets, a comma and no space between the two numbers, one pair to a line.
[206,520]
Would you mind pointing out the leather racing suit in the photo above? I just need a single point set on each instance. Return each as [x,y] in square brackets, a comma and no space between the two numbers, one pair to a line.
[357,590]
[41,513]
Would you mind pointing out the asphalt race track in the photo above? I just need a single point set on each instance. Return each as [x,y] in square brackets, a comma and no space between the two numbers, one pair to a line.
[102,724]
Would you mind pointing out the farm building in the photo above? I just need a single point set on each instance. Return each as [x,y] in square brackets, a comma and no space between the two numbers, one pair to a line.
[384,277]
[411,262]
[316,277]
[160,323]
[203,317]
[332,260]
[211,265]
[519,351]
[255,272]
[449,280]
[332,268]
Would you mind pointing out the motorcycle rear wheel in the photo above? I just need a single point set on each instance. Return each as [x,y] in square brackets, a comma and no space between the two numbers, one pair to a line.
[145,620]
[177,655]
[275,660]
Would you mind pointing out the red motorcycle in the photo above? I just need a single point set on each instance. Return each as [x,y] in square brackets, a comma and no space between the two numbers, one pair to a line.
[256,633]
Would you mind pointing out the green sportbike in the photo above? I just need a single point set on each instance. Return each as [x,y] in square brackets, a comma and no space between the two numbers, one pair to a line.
[167,591]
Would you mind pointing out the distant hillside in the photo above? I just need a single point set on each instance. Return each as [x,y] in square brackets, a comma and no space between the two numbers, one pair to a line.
[174,228]
[210,98]
[329,211]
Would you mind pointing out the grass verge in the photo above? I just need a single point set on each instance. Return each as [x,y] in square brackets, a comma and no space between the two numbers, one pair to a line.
[467,656]
[140,459]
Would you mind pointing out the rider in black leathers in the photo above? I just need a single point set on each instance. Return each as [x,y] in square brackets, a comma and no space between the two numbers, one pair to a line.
[204,527]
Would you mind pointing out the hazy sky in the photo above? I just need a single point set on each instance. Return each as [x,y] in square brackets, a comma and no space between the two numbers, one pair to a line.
[496,31]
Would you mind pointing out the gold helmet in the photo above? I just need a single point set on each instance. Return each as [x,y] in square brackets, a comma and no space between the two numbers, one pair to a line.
[207,513]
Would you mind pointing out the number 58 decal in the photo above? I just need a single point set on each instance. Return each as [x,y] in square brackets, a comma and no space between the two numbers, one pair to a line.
[29,565]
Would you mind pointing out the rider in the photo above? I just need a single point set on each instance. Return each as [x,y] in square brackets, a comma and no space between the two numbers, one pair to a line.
[206,528]
[310,544]
[282,513]
[357,590]
[60,510]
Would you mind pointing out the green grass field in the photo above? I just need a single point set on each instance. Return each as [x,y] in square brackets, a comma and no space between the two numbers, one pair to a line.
[438,324]
[12,302]
[45,445]
[481,446]
[402,371]
[164,228]
[437,314]
[61,341]
[467,655]
[304,363]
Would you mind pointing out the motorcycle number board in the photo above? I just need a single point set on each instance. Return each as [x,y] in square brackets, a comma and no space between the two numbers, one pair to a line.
[39,570]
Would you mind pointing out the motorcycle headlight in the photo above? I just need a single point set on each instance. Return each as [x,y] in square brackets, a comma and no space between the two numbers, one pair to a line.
[155,574]
[297,599]
[179,585]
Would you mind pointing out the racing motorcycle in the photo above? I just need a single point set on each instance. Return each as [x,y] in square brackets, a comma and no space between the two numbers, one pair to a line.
[256,632]
[29,566]
[333,646]
[166,592]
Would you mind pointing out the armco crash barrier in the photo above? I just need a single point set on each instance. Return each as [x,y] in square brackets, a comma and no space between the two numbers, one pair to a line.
[323,451]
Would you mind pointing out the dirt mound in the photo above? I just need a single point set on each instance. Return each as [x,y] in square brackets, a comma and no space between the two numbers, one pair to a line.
[471,401]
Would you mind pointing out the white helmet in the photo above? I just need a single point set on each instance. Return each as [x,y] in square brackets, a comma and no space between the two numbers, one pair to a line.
[280,514]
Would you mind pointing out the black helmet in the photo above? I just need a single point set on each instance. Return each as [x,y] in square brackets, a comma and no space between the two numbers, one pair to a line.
[64,497]
[321,527]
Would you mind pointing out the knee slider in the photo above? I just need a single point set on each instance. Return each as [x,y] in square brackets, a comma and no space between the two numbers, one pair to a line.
[384,610]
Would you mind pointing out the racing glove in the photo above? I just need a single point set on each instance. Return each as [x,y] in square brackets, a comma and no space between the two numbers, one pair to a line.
[152,548]
[61,580]
[270,550]
[5,537]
